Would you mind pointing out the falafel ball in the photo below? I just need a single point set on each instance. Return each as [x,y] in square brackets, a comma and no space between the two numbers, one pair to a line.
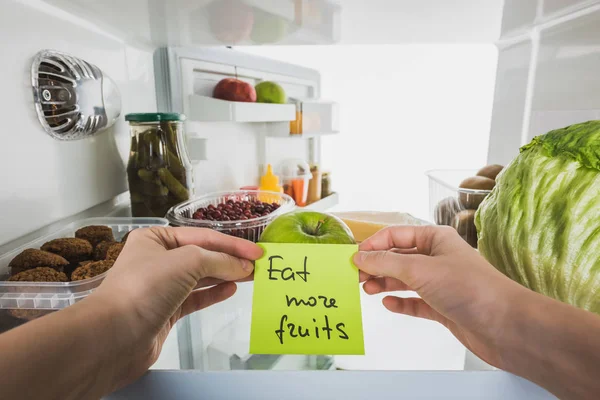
[40,274]
[29,315]
[90,270]
[101,250]
[114,251]
[74,250]
[95,234]
[34,258]
[73,266]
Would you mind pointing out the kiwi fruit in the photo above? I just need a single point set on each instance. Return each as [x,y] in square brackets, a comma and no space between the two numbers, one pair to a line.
[473,200]
[446,210]
[464,223]
[490,171]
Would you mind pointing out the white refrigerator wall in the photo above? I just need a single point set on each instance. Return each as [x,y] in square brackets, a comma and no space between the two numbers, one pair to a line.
[45,180]
[548,71]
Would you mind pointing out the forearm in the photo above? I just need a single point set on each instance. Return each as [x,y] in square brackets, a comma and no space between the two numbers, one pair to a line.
[69,354]
[556,346]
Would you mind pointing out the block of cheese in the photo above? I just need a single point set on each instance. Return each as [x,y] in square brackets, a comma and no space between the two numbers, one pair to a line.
[365,224]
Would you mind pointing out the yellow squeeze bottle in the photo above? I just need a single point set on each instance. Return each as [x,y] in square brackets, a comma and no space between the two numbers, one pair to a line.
[270,182]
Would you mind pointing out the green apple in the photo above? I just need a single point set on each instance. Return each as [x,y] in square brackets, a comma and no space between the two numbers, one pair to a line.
[270,92]
[307,227]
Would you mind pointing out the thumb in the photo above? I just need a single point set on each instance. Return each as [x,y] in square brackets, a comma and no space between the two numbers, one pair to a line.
[201,263]
[404,267]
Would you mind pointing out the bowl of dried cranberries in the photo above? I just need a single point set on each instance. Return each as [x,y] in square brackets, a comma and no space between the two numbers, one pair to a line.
[243,213]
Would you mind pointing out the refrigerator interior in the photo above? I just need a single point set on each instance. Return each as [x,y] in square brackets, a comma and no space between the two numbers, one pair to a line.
[545,77]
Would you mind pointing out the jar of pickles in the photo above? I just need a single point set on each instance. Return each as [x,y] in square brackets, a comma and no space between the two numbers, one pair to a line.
[159,171]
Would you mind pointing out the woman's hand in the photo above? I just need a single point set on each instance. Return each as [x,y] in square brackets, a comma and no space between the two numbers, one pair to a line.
[457,287]
[538,338]
[158,279]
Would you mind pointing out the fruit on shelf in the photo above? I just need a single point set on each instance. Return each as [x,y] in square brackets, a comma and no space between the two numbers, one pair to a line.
[490,171]
[446,210]
[480,186]
[270,92]
[308,227]
[464,223]
[232,89]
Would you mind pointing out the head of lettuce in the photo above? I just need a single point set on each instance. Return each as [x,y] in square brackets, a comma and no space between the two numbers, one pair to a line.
[540,226]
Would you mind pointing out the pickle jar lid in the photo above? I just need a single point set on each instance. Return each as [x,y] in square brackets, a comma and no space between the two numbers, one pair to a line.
[154,117]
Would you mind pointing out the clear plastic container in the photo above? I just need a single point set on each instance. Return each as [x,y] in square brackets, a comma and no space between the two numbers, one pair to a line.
[452,206]
[23,301]
[251,229]
[294,176]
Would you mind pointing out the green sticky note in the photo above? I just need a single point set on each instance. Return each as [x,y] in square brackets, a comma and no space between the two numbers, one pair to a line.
[306,301]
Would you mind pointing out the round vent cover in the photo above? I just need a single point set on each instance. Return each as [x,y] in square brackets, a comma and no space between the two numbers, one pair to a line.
[72,97]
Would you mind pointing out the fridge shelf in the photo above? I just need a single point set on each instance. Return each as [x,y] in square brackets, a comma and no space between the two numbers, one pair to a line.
[324,204]
[277,131]
[256,22]
[208,109]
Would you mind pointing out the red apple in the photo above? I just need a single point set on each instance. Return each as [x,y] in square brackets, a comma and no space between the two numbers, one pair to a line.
[235,90]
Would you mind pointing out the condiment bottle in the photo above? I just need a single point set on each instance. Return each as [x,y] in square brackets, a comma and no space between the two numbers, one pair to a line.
[326,184]
[269,182]
[314,186]
[296,125]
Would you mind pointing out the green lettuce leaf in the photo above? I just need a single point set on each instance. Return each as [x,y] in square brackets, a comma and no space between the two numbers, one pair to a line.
[540,226]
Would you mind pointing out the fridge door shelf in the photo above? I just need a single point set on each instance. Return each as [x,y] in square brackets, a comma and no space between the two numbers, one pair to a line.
[282,130]
[313,118]
[208,109]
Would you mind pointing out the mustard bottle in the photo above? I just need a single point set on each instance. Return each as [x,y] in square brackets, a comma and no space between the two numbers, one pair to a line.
[270,182]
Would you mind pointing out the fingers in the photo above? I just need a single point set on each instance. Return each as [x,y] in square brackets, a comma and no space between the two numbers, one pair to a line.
[363,276]
[402,237]
[199,299]
[206,282]
[381,285]
[405,251]
[209,239]
[403,267]
[413,307]
[200,263]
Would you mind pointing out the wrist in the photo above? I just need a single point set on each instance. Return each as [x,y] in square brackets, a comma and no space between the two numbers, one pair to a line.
[105,325]
[512,339]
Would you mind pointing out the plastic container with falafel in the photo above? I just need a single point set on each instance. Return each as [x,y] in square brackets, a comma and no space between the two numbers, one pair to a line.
[60,269]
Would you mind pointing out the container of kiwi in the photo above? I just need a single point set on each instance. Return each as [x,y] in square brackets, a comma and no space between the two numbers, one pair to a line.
[455,195]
